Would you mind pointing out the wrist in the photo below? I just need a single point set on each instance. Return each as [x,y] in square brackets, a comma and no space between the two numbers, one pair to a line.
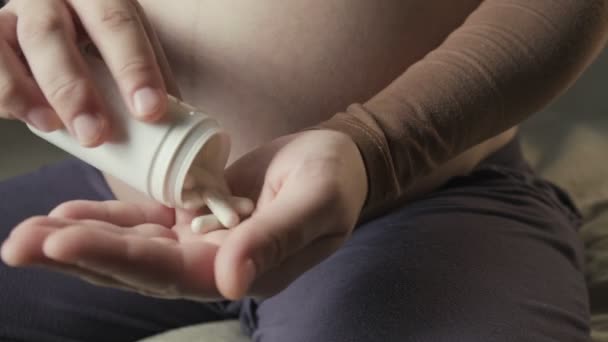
[355,167]
[383,186]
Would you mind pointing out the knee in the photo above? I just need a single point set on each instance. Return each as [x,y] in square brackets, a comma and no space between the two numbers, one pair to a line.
[345,298]
[400,282]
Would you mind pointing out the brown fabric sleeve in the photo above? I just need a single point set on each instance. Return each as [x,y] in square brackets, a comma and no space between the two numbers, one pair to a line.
[509,59]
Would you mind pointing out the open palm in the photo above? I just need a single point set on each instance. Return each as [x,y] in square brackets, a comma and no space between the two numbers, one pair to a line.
[146,248]
[310,188]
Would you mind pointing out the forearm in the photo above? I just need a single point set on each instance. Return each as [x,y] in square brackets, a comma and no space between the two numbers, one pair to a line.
[509,59]
[460,165]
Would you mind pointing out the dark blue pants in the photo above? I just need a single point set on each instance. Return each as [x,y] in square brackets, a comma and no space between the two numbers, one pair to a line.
[492,256]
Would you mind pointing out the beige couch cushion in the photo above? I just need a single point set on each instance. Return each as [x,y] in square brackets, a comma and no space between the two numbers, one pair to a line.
[568,144]
[226,331]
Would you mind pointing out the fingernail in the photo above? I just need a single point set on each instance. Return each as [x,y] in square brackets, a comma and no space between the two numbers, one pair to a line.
[146,102]
[87,128]
[43,119]
[249,273]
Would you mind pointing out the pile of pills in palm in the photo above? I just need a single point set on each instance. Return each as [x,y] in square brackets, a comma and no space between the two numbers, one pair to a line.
[201,190]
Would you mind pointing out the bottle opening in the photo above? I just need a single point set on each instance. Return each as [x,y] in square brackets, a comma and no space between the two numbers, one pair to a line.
[203,164]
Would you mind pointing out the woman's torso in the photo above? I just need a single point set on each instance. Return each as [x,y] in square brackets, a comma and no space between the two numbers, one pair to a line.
[268,68]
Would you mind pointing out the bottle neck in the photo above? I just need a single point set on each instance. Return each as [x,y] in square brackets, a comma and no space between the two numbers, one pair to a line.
[204,145]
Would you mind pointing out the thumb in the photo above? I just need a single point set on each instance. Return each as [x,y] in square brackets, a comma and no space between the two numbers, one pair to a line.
[283,226]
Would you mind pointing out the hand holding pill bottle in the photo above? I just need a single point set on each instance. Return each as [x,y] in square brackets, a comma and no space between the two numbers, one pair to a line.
[178,161]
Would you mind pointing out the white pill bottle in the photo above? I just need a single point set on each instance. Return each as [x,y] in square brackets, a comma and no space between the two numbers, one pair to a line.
[153,158]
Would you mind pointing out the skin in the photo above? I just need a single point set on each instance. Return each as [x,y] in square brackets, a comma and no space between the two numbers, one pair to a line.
[264,70]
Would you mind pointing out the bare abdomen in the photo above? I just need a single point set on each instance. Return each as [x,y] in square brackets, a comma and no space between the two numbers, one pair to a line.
[267,68]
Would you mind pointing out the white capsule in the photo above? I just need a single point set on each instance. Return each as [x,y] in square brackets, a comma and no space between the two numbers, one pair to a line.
[221,208]
[205,224]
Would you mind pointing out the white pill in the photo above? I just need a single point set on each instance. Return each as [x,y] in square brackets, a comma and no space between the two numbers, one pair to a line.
[205,224]
[222,209]
[244,206]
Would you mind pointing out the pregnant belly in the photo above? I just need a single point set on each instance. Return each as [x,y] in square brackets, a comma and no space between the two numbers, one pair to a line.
[267,68]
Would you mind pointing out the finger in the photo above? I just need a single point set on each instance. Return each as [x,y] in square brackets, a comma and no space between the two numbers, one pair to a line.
[48,41]
[137,260]
[144,220]
[115,28]
[24,245]
[247,181]
[8,27]
[20,97]
[163,63]
[299,214]
[119,213]
[159,52]
[145,264]
[24,248]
